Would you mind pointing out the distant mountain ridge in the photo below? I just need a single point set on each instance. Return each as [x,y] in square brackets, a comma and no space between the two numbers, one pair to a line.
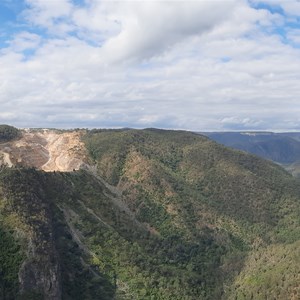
[282,148]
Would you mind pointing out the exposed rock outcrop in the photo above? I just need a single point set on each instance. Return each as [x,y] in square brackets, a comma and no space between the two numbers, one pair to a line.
[48,150]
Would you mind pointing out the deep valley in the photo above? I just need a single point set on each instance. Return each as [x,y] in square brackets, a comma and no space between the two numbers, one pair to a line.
[143,214]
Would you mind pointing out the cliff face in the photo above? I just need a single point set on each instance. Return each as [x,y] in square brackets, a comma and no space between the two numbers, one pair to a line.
[55,262]
[26,204]
[40,278]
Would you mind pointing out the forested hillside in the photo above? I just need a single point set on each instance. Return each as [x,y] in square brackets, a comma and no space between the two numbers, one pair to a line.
[8,133]
[154,214]
[282,148]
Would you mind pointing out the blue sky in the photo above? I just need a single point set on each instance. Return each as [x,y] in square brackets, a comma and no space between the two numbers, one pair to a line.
[195,65]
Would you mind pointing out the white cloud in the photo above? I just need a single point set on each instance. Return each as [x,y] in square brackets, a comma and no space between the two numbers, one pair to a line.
[197,65]
[148,28]
[294,36]
[24,41]
[44,12]
[129,29]
[50,14]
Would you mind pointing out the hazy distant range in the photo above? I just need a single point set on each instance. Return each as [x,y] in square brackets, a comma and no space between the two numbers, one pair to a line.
[282,148]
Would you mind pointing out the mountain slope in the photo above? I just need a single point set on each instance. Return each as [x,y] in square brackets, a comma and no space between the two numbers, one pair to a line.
[52,265]
[179,183]
[282,148]
[154,214]
[8,133]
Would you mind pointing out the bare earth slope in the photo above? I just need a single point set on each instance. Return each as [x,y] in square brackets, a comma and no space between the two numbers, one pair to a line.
[48,150]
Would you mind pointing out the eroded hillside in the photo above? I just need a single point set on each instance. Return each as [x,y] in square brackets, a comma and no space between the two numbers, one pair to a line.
[48,150]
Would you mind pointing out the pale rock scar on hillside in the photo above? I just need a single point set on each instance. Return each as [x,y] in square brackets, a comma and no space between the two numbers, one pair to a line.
[48,150]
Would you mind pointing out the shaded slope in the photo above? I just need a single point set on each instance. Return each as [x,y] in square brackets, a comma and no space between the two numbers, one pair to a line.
[52,262]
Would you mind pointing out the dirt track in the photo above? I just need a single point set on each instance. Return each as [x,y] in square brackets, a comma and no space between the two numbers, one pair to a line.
[49,150]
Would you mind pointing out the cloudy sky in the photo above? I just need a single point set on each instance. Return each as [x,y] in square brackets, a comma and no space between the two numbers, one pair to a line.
[196,65]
